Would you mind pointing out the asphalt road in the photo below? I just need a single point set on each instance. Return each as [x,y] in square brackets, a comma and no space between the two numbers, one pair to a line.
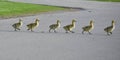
[42,45]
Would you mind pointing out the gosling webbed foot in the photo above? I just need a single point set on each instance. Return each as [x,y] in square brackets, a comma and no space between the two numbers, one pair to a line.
[49,30]
[82,32]
[18,28]
[90,33]
[15,30]
[110,32]
[28,29]
[66,32]
[32,31]
[72,31]
[55,31]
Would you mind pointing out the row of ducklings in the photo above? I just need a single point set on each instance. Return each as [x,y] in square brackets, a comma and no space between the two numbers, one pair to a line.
[67,28]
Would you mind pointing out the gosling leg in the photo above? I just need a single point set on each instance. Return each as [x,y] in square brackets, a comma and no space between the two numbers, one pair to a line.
[66,31]
[72,31]
[110,32]
[89,32]
[83,32]
[55,31]
[32,30]
[28,29]
[15,29]
[18,28]
[49,30]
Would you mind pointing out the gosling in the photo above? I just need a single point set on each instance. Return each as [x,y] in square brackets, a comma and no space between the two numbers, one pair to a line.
[70,27]
[109,29]
[17,26]
[54,26]
[88,28]
[32,26]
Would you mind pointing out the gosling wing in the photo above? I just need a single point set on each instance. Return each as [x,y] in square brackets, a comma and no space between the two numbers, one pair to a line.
[108,29]
[53,26]
[86,28]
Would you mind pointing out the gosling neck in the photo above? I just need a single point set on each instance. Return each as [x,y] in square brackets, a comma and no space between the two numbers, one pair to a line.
[20,22]
[73,23]
[113,24]
[37,22]
[58,23]
[91,24]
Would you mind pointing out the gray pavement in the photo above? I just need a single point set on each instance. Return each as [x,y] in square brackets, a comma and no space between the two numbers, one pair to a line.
[72,3]
[42,45]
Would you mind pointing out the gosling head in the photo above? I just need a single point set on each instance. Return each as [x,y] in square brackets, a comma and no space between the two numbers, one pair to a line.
[74,20]
[91,22]
[113,21]
[37,20]
[20,20]
[58,21]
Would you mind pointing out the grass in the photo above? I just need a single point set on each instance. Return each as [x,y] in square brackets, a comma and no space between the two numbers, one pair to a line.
[13,9]
[108,0]
[3,0]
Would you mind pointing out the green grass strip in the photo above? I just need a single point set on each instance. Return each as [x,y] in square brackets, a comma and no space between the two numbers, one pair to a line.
[108,0]
[11,9]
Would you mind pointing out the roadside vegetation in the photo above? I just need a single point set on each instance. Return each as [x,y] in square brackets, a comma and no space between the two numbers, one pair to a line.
[13,9]
[108,0]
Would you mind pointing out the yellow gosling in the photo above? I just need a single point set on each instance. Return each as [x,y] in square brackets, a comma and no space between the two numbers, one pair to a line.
[70,27]
[88,28]
[31,26]
[109,29]
[17,26]
[54,26]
